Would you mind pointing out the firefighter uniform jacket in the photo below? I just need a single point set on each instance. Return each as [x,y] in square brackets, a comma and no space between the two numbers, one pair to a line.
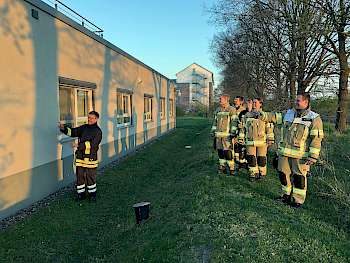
[89,138]
[225,127]
[301,136]
[255,132]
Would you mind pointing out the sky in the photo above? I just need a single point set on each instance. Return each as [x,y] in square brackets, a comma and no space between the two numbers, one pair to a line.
[167,35]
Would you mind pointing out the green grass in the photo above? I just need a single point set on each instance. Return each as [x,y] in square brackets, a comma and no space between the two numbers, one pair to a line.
[196,215]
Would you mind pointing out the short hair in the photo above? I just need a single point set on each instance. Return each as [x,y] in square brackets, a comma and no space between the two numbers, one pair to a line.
[249,99]
[95,113]
[260,100]
[240,98]
[225,96]
[305,96]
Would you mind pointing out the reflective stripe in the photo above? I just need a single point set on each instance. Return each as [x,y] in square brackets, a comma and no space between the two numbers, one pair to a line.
[301,192]
[86,161]
[270,136]
[255,143]
[81,186]
[87,147]
[222,161]
[286,189]
[224,113]
[231,163]
[254,169]
[278,118]
[92,190]
[91,186]
[80,191]
[313,150]
[292,153]
[316,132]
[69,131]
[222,134]
[86,165]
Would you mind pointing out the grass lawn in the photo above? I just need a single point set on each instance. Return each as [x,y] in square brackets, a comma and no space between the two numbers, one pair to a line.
[196,215]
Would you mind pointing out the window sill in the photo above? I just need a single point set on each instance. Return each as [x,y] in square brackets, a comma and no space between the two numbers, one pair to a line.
[62,138]
[125,125]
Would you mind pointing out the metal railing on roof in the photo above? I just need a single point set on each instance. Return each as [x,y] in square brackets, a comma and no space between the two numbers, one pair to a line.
[63,8]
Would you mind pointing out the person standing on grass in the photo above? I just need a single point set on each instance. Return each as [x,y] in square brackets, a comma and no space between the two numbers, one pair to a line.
[258,135]
[89,138]
[225,129]
[299,148]
[238,145]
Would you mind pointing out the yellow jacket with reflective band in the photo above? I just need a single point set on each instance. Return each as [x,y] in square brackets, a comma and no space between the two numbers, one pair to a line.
[225,122]
[301,136]
[255,132]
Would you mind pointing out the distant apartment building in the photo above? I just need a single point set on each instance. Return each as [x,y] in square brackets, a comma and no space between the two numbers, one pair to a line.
[194,85]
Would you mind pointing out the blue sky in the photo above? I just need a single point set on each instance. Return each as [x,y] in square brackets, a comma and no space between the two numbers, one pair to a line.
[166,35]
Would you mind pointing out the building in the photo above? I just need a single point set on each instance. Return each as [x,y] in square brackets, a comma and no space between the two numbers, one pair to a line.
[52,69]
[194,84]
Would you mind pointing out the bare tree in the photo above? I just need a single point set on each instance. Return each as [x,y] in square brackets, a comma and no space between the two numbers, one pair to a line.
[281,42]
[338,12]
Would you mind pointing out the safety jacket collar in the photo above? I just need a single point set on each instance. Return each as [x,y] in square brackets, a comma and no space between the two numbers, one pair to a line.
[224,108]
[240,108]
[301,113]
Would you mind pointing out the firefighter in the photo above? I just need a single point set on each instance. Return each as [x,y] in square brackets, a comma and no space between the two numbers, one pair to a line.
[299,148]
[225,130]
[89,137]
[258,135]
[239,148]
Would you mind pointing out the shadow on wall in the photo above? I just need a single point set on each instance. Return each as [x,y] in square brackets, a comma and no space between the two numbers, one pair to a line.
[115,74]
[157,84]
[168,105]
[26,187]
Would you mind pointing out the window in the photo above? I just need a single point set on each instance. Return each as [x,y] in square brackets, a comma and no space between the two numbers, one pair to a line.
[124,107]
[171,107]
[75,104]
[148,108]
[162,108]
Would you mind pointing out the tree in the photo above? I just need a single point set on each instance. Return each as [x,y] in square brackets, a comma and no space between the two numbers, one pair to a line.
[338,12]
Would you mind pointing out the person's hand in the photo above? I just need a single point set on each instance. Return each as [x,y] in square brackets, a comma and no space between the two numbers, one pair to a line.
[60,125]
[310,161]
[234,140]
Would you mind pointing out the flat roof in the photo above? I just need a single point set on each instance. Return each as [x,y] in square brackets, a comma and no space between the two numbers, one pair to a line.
[60,16]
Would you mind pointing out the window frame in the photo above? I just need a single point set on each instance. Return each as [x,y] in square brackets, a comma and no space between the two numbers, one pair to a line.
[162,108]
[171,107]
[148,116]
[124,94]
[76,120]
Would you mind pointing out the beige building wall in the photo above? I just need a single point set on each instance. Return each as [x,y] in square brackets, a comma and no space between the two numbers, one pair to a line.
[35,159]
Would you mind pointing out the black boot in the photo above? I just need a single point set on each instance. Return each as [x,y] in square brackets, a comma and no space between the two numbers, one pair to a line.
[80,197]
[286,199]
[92,197]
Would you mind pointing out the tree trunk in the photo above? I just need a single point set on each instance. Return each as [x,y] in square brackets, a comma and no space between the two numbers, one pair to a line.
[342,112]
